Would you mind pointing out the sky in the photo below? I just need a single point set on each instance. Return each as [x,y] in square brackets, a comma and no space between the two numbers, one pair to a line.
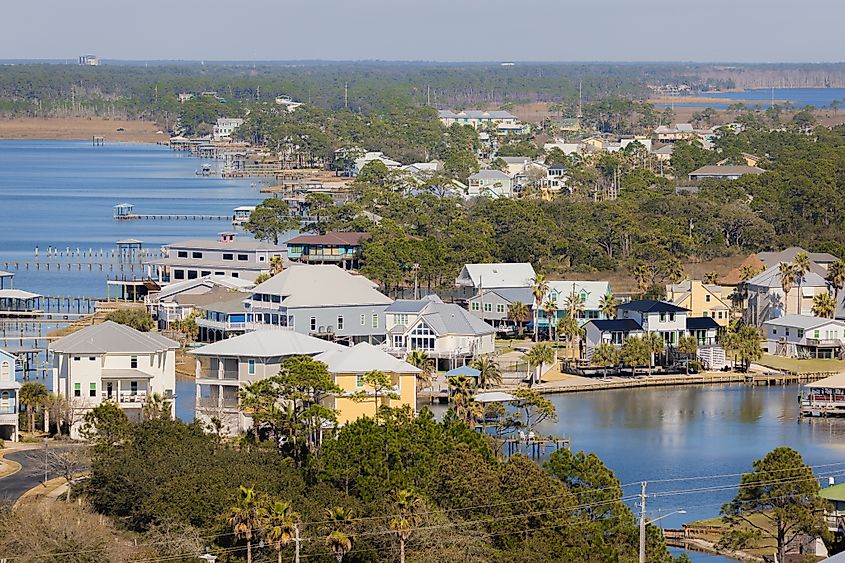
[431,30]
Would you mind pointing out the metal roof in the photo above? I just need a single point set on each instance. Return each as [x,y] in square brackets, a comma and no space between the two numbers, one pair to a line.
[322,285]
[616,325]
[271,343]
[804,322]
[701,323]
[651,306]
[518,274]
[463,370]
[771,278]
[17,294]
[362,358]
[112,338]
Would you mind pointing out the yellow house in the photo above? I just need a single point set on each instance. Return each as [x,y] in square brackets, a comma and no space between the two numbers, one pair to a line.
[349,367]
[701,300]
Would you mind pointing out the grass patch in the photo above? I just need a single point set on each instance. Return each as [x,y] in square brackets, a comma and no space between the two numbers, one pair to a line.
[763,546]
[801,366]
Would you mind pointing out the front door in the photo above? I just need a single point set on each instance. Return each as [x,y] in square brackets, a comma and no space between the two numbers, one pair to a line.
[109,390]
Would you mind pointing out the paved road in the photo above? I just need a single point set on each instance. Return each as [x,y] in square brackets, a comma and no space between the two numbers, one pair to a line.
[30,474]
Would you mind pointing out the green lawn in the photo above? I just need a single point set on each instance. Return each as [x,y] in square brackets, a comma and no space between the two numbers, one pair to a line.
[801,366]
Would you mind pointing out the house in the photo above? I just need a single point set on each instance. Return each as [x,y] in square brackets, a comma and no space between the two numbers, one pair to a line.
[767,300]
[446,332]
[320,300]
[493,305]
[724,172]
[287,103]
[113,362]
[589,293]
[9,390]
[819,261]
[664,153]
[702,300]
[360,163]
[222,318]
[705,330]
[557,177]
[803,336]
[223,367]
[495,276]
[609,331]
[490,183]
[225,126]
[227,256]
[478,119]
[674,133]
[357,398]
[176,301]
[340,248]
[666,319]
[515,164]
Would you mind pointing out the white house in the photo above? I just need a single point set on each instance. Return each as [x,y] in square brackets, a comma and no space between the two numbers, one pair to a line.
[767,300]
[670,321]
[802,336]
[589,293]
[609,331]
[496,275]
[225,126]
[477,118]
[447,332]
[9,389]
[491,183]
[177,300]
[113,362]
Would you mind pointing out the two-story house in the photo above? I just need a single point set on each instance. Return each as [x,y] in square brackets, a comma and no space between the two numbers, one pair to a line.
[476,277]
[9,389]
[176,301]
[609,331]
[446,332]
[349,367]
[227,256]
[666,319]
[320,300]
[589,293]
[478,119]
[803,336]
[222,318]
[225,126]
[702,300]
[335,247]
[493,305]
[490,183]
[223,367]
[113,362]
[767,300]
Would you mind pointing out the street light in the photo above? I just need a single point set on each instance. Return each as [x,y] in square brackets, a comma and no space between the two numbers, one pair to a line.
[644,523]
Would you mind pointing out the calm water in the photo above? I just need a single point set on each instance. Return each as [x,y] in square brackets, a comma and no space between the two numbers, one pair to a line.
[61,193]
[798,97]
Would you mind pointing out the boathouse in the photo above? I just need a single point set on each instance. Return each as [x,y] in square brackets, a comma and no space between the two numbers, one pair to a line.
[825,397]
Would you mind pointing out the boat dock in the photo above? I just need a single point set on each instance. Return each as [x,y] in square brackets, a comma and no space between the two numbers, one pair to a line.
[126,212]
[58,266]
[535,448]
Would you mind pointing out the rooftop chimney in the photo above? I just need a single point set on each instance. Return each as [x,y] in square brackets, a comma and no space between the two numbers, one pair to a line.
[227,236]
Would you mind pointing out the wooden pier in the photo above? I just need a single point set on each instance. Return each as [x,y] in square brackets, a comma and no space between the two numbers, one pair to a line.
[58,266]
[535,448]
[178,217]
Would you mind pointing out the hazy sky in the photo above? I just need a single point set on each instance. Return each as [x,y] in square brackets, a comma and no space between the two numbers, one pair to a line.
[445,30]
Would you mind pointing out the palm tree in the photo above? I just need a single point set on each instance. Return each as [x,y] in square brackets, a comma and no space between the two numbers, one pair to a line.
[339,539]
[280,526]
[656,345]
[519,313]
[550,311]
[245,517]
[746,272]
[538,290]
[608,305]
[836,278]
[688,345]
[801,264]
[540,354]
[156,407]
[674,270]
[568,326]
[605,356]
[257,399]
[276,264]
[419,359]
[407,507]
[787,274]
[489,371]
[32,395]
[462,387]
[711,278]
[642,274]
[573,304]
[824,306]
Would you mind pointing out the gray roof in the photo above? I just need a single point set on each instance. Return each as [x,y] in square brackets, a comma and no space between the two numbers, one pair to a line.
[448,318]
[789,254]
[271,343]
[804,322]
[771,278]
[513,294]
[112,338]
[207,281]
[362,358]
[489,175]
[715,170]
[125,374]
[323,285]
[233,305]
[476,114]
[412,305]
[237,244]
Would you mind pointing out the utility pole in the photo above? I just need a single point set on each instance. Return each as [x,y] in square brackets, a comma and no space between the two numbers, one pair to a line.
[45,462]
[296,541]
[642,524]
[346,95]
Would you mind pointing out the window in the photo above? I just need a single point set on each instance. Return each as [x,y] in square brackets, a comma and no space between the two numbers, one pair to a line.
[252,367]
[133,362]
[235,275]
[800,333]
[261,259]
[76,358]
[228,256]
[182,254]
[291,321]
[196,254]
[206,273]
[91,358]
[339,322]
[401,319]
[313,322]
[243,257]
[133,387]
[671,317]
[816,333]
[77,389]
[375,321]
[359,380]
[192,274]
[787,331]
[179,274]
[92,390]
[398,341]
[219,273]
[488,307]
[475,306]
[774,330]
[276,298]
[363,320]
[662,317]
[500,307]
[707,298]
[422,337]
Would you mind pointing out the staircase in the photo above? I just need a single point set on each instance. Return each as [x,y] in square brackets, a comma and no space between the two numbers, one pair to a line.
[712,357]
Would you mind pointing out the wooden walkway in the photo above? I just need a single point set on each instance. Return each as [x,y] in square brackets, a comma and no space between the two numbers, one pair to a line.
[49,266]
[177,217]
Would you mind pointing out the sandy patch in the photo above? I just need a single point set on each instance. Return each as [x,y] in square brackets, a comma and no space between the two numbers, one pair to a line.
[82,129]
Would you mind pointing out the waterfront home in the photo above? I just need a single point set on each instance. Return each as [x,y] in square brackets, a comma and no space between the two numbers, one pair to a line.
[113,362]
[221,318]
[335,247]
[609,331]
[494,276]
[176,301]
[804,336]
[241,214]
[223,367]
[320,300]
[9,390]
[588,293]
[666,319]
[225,126]
[446,332]
[490,183]
[674,133]
[493,305]
[819,261]
[478,119]
[349,367]
[835,495]
[825,397]
[226,256]
[723,172]
[359,163]
[767,300]
[702,300]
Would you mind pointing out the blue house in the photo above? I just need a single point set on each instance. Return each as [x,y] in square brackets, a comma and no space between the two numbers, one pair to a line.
[334,247]
[9,388]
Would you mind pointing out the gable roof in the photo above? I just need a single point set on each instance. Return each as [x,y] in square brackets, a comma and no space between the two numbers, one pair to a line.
[651,306]
[111,337]
[616,325]
[206,281]
[490,175]
[351,238]
[701,323]
[475,114]
[271,343]
[510,294]
[322,285]
[788,255]
[362,358]
[714,170]
[593,292]
[448,318]
[770,278]
[519,274]
[804,322]
[237,244]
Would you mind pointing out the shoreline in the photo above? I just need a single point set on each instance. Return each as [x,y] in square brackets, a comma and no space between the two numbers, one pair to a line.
[81,129]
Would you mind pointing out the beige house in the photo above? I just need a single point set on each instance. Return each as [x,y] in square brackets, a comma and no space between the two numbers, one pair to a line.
[702,300]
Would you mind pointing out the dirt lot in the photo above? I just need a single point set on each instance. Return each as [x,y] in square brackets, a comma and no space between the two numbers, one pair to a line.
[68,129]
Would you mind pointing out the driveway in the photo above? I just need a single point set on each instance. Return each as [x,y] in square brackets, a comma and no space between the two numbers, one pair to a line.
[30,474]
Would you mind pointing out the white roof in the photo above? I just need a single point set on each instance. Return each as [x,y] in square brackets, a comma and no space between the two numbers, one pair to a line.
[592,291]
[362,358]
[519,274]
[323,285]
[771,278]
[228,282]
[111,337]
[804,322]
[272,343]
[833,382]
[17,294]
[493,397]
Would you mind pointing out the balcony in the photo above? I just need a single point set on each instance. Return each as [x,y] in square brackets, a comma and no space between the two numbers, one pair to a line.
[223,325]
[824,343]
[126,398]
